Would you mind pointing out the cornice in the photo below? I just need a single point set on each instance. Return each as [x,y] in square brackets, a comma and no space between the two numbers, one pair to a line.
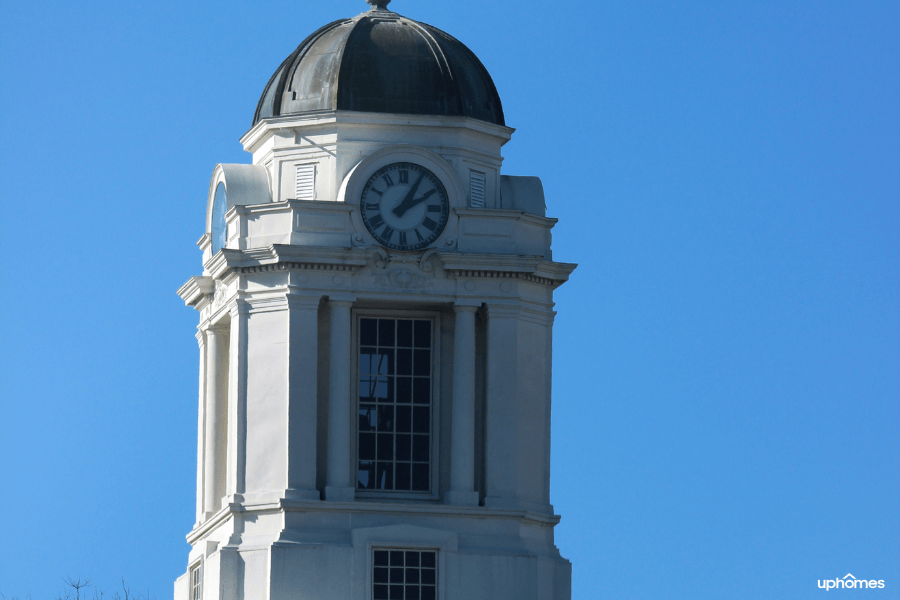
[506,213]
[283,257]
[363,507]
[342,120]
[195,289]
[493,266]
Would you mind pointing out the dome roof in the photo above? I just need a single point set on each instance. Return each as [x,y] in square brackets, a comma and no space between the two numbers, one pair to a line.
[382,62]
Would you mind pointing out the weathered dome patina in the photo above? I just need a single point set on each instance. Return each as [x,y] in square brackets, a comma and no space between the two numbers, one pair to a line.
[382,62]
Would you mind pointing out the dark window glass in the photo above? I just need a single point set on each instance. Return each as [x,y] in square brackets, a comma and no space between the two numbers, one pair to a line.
[404,447]
[395,381]
[404,333]
[411,575]
[404,418]
[423,334]
[402,480]
[386,332]
[421,419]
[404,390]
[421,450]
[405,362]
[368,332]
[422,363]
[422,390]
[419,477]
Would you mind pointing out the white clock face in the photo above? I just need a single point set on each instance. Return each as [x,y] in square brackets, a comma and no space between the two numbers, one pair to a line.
[404,206]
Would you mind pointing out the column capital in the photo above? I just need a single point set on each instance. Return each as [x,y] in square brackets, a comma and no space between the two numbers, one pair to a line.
[302,301]
[458,308]
[340,302]
[509,311]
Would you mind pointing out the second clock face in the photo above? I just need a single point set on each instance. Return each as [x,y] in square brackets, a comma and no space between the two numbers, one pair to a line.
[404,206]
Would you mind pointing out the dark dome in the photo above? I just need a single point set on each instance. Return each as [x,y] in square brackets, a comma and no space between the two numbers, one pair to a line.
[382,62]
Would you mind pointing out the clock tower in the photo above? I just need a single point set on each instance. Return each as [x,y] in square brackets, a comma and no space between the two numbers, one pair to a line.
[376,309]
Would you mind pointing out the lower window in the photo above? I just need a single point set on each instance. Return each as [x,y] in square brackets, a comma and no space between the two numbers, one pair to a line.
[404,575]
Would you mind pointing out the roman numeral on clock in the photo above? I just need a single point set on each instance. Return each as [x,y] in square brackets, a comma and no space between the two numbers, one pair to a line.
[429,224]
[387,233]
[434,208]
[402,237]
[419,235]
[372,206]
[388,180]
[376,221]
[404,176]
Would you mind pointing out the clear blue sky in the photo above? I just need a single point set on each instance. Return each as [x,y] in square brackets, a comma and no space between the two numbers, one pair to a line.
[727,355]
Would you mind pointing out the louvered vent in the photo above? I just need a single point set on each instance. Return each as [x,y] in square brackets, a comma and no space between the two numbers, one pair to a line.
[306,182]
[476,189]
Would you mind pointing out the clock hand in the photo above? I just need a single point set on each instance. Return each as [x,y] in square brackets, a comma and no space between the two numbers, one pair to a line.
[408,201]
[418,201]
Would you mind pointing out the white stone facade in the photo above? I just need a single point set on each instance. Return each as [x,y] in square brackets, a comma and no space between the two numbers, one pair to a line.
[279,512]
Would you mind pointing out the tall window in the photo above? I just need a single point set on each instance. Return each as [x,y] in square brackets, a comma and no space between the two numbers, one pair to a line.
[196,581]
[395,404]
[404,575]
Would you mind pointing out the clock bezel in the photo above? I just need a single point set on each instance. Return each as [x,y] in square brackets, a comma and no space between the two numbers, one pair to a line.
[354,183]
[442,193]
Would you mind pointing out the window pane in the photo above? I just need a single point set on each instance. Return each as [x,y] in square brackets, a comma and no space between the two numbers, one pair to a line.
[422,362]
[381,558]
[421,448]
[404,447]
[367,446]
[427,593]
[381,592]
[367,331]
[428,576]
[404,333]
[385,446]
[396,592]
[404,362]
[366,475]
[367,417]
[404,390]
[396,558]
[428,560]
[404,418]
[384,476]
[420,477]
[386,418]
[403,481]
[381,575]
[422,390]
[421,419]
[412,559]
[386,332]
[423,334]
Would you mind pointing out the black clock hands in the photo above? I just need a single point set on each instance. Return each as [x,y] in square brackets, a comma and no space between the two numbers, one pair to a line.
[415,202]
[408,201]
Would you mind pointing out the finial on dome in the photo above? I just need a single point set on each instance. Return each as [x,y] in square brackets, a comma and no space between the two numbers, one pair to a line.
[378,4]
